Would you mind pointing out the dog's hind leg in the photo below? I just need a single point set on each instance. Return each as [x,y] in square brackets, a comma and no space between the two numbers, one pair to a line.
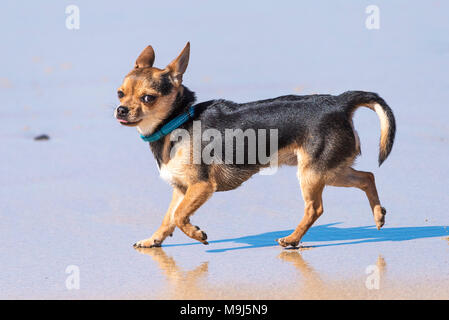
[195,196]
[312,186]
[350,177]
[168,224]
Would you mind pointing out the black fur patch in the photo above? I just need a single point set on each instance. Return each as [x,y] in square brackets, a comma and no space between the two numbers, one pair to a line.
[157,148]
[164,85]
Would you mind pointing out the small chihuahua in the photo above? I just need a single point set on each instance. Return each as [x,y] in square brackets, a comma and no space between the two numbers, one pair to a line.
[314,133]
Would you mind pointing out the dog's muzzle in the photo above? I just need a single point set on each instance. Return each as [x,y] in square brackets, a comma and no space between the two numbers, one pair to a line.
[122,113]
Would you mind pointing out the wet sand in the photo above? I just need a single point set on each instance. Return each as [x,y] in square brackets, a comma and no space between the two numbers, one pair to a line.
[85,195]
[304,283]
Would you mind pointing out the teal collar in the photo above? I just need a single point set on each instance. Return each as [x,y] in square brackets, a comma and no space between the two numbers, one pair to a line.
[170,126]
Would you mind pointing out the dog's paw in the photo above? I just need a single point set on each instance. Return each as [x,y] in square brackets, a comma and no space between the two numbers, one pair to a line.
[200,235]
[286,242]
[379,216]
[148,243]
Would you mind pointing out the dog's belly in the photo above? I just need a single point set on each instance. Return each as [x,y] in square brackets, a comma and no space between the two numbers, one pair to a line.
[231,177]
[180,173]
[228,177]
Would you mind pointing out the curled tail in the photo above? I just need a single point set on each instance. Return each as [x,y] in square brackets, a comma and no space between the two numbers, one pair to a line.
[355,99]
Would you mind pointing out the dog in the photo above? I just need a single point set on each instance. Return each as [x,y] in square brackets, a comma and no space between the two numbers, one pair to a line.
[314,133]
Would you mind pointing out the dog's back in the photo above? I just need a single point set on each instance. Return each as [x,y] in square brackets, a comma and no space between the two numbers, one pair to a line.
[319,124]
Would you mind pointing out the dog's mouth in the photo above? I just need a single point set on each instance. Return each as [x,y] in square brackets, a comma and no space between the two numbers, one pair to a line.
[128,123]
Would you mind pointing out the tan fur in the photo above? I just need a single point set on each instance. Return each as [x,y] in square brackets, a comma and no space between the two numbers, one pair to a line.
[350,177]
[384,124]
[195,196]
[137,84]
[288,155]
[312,184]
[145,59]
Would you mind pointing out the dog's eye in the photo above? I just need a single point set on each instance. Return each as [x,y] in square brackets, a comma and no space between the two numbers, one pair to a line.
[120,94]
[147,98]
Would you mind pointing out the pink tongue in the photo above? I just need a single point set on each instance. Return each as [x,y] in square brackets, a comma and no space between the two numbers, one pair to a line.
[123,121]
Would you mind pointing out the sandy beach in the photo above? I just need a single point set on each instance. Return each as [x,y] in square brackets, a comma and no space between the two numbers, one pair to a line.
[81,199]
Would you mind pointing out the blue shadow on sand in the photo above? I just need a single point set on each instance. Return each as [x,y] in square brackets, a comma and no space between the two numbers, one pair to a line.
[329,232]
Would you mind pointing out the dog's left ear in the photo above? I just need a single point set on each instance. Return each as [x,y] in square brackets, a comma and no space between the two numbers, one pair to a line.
[146,58]
[178,66]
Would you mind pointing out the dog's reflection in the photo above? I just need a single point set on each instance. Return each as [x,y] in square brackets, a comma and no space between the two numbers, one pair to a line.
[313,285]
[381,264]
[184,284]
[192,284]
[312,280]
[382,267]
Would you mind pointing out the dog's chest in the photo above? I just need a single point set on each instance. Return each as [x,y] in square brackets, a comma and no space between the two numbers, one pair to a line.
[175,170]
[167,173]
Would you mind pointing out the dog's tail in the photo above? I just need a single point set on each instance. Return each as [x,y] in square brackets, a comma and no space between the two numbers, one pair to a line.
[354,99]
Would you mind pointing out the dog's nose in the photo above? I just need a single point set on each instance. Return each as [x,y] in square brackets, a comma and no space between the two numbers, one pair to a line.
[122,111]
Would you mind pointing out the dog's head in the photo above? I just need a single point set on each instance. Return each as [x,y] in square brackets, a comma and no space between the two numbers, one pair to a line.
[147,94]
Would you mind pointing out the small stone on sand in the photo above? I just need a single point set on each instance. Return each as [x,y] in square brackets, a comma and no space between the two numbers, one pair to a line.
[42,137]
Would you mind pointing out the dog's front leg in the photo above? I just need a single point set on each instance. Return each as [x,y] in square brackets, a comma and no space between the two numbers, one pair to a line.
[168,224]
[196,195]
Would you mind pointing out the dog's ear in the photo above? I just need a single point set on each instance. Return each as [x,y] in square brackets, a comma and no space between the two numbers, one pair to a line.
[146,58]
[178,66]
